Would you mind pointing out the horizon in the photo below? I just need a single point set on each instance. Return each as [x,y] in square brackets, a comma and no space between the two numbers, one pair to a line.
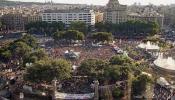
[104,2]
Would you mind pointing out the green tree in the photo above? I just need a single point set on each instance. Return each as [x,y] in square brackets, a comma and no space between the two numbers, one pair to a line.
[140,83]
[46,70]
[93,68]
[44,27]
[35,56]
[102,36]
[100,27]
[5,55]
[130,28]
[120,60]
[58,35]
[29,40]
[20,49]
[69,35]
[79,26]
[112,73]
[117,93]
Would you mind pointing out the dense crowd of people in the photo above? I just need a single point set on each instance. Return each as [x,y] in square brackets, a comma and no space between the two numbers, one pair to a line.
[104,52]
[162,93]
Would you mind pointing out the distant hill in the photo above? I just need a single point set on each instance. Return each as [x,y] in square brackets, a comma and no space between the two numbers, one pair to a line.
[15,3]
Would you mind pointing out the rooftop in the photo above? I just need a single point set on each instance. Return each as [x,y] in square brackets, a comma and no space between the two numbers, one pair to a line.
[68,11]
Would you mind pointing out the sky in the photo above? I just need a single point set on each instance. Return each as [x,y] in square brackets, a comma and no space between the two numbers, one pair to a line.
[104,2]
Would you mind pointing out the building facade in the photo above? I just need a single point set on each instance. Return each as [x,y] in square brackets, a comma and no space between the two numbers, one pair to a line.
[68,16]
[17,21]
[98,17]
[13,21]
[32,18]
[147,14]
[115,12]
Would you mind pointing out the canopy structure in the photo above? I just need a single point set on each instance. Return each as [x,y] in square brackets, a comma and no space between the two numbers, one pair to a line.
[74,96]
[71,54]
[162,81]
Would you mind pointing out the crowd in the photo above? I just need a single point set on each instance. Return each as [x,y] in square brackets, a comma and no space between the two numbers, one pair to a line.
[73,86]
[104,52]
[162,93]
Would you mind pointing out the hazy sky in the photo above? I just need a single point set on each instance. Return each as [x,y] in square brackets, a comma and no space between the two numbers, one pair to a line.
[103,2]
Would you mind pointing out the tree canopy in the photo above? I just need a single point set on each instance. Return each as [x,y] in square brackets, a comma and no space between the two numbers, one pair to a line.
[139,84]
[102,36]
[130,28]
[120,60]
[101,70]
[92,67]
[44,28]
[79,26]
[19,49]
[29,40]
[37,55]
[69,35]
[46,70]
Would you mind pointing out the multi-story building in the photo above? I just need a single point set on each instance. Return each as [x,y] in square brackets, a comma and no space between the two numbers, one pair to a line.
[68,16]
[18,21]
[147,17]
[98,17]
[32,18]
[13,21]
[115,12]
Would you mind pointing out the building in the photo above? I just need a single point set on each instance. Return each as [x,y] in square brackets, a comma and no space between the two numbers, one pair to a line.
[115,12]
[147,14]
[68,16]
[32,18]
[13,21]
[17,21]
[98,17]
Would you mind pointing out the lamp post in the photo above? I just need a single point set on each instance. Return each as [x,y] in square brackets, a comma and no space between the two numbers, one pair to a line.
[54,84]
[96,95]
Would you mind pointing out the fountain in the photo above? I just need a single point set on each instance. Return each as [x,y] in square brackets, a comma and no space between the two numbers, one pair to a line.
[149,46]
[165,64]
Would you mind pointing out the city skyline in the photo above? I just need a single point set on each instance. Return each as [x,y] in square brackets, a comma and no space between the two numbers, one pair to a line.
[104,2]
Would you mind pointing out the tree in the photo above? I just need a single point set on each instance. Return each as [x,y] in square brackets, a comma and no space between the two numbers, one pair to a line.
[140,83]
[99,69]
[100,27]
[124,72]
[44,27]
[35,56]
[117,93]
[29,40]
[130,28]
[112,73]
[120,60]
[46,70]
[5,55]
[155,28]
[19,49]
[92,67]
[69,35]
[102,36]
[79,26]
[58,35]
